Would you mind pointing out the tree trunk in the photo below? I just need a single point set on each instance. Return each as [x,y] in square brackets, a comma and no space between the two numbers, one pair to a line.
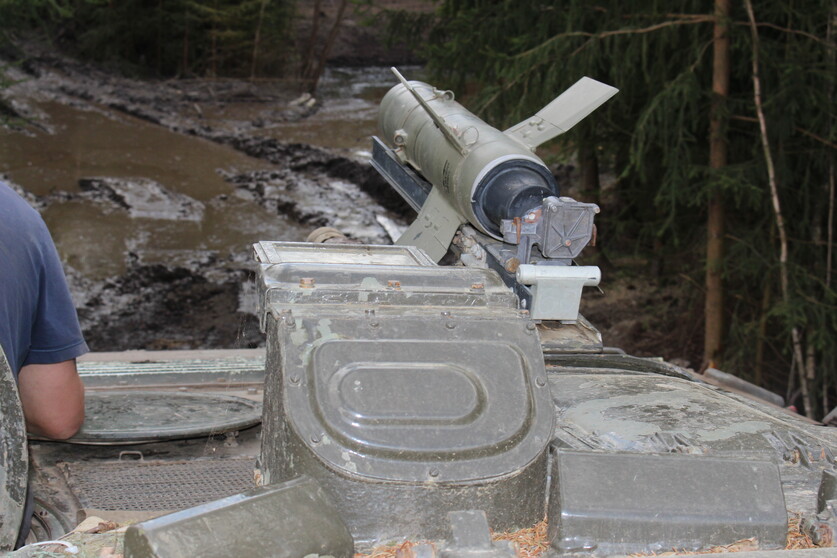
[714,308]
[256,40]
[591,190]
[758,367]
[588,164]
[332,36]
[308,62]
[159,46]
[185,61]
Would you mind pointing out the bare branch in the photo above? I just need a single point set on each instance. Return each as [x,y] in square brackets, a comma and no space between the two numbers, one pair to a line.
[791,31]
[829,35]
[802,131]
[615,32]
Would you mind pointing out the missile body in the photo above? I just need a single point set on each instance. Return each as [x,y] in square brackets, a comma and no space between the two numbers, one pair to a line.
[483,173]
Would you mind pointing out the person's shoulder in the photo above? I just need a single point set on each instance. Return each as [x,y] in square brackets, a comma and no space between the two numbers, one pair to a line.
[16,212]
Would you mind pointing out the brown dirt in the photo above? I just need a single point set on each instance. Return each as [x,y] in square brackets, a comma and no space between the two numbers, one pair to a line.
[646,319]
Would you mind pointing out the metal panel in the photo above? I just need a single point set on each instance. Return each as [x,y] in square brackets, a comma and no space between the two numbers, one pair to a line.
[165,369]
[412,187]
[336,275]
[275,252]
[611,503]
[289,520]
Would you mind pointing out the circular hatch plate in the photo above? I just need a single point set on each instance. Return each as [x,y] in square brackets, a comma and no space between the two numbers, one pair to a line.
[129,417]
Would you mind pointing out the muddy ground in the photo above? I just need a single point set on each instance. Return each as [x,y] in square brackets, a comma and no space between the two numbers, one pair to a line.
[205,300]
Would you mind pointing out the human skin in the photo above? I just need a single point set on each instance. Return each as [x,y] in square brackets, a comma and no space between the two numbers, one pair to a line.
[52,396]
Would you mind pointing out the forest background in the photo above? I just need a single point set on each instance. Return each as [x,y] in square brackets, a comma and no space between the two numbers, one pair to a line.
[718,154]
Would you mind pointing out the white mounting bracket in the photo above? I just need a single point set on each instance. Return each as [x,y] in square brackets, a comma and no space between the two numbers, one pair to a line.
[556,289]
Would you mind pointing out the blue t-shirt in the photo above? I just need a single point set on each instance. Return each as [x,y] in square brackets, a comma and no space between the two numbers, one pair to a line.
[38,322]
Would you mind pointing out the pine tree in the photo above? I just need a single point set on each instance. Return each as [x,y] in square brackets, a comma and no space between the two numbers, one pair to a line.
[686,151]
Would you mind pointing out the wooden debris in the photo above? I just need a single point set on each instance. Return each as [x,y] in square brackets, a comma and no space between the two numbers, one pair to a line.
[398,550]
[532,542]
[796,538]
[103,527]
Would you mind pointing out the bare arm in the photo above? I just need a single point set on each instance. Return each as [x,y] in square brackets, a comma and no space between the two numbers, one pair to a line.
[52,396]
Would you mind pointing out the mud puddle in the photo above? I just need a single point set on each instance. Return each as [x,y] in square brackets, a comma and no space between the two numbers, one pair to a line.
[171,197]
[86,143]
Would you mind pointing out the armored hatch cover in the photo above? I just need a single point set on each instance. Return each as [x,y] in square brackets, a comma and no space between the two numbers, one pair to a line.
[406,389]
[128,416]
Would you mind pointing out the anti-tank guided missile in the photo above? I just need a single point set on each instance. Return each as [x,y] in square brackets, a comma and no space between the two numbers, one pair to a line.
[478,174]
[455,170]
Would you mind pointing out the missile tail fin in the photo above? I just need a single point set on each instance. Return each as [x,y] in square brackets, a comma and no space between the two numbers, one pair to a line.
[434,228]
[438,120]
[564,112]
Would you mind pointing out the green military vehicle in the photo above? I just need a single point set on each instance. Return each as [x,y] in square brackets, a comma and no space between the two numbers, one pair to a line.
[403,400]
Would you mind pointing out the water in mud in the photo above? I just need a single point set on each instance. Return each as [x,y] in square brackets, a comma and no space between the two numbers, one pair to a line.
[348,115]
[93,237]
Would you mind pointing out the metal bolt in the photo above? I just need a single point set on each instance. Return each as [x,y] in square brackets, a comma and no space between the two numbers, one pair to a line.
[252,391]
[434,472]
[445,313]
[288,318]
[294,379]
[374,324]
[450,325]
[315,439]
[540,381]
[531,326]
[306,283]
[568,243]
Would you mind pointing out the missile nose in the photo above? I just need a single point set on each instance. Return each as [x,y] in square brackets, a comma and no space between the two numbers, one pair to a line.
[510,190]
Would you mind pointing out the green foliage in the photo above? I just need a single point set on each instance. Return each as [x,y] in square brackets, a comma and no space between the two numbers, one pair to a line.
[163,38]
[515,56]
